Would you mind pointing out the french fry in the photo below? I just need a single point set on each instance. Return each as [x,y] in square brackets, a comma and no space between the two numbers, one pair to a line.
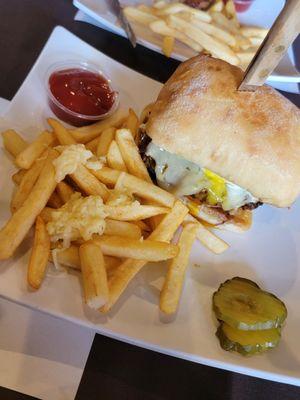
[160,26]
[18,176]
[168,46]
[54,201]
[134,212]
[207,238]
[245,56]
[175,8]
[146,190]
[69,257]
[104,141]
[39,255]
[218,33]
[114,157]
[30,177]
[215,47]
[106,175]
[172,288]
[87,133]
[241,42]
[217,6]
[187,16]
[46,214]
[92,145]
[61,133]
[222,21]
[27,157]
[147,250]
[111,265]
[132,122]
[129,268]
[146,9]
[13,142]
[231,13]
[142,225]
[12,234]
[120,280]
[64,191]
[159,4]
[256,42]
[243,47]
[136,15]
[93,275]
[122,228]
[89,183]
[254,31]
[170,223]
[154,221]
[131,155]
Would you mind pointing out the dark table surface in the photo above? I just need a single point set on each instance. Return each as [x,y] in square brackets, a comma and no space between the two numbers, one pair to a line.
[114,370]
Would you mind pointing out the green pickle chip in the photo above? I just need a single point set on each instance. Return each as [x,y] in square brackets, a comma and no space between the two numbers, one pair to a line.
[241,304]
[247,342]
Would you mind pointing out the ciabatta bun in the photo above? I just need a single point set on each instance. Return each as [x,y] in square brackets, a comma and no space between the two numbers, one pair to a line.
[250,138]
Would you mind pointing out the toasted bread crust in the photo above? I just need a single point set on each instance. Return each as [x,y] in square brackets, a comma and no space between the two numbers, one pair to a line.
[250,138]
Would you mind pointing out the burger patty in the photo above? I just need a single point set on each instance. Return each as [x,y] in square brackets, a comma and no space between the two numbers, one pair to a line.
[252,206]
[144,140]
[150,163]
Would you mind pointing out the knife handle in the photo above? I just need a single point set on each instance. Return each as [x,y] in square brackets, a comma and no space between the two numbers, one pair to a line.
[281,35]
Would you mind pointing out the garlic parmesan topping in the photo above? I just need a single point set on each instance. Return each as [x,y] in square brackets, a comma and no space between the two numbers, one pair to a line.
[71,157]
[79,218]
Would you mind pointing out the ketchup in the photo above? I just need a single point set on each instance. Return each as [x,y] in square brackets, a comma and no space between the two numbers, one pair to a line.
[242,5]
[81,92]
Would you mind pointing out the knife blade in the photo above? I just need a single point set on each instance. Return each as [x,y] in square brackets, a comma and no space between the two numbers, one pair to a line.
[118,10]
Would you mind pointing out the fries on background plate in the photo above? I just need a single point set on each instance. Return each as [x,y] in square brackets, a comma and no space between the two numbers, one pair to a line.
[215,31]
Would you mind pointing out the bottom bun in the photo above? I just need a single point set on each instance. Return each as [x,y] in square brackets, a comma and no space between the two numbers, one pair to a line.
[240,223]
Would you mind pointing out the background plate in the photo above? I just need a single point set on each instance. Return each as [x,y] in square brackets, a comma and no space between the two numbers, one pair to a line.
[260,14]
[268,254]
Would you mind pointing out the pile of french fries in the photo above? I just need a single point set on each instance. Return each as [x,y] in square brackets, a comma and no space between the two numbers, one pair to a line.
[216,31]
[135,233]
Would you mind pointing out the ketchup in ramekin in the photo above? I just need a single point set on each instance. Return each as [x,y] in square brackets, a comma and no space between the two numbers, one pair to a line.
[242,5]
[80,94]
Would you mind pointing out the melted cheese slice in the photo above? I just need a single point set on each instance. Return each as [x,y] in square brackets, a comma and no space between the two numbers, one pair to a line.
[183,177]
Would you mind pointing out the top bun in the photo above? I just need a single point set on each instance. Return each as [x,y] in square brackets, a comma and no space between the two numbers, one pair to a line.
[250,138]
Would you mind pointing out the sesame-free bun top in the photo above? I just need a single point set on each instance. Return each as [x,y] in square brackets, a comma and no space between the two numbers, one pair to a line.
[250,138]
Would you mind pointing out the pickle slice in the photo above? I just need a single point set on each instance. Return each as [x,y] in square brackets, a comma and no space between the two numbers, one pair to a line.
[243,305]
[247,342]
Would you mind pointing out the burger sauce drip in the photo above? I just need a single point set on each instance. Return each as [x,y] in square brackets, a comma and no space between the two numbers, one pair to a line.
[81,91]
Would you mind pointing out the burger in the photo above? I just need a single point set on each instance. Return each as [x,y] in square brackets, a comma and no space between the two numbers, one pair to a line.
[224,152]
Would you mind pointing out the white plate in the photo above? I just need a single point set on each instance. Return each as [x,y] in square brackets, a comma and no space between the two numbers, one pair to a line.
[259,14]
[268,254]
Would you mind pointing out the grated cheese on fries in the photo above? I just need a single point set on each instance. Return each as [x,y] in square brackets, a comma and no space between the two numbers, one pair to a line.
[73,155]
[80,217]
